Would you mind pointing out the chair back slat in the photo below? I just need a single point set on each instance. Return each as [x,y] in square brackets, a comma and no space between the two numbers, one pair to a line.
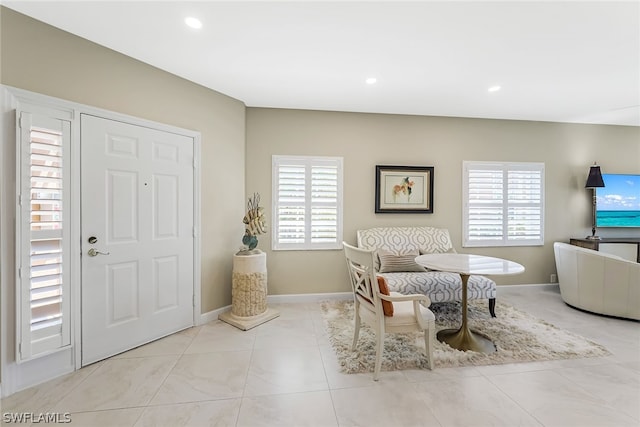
[360,264]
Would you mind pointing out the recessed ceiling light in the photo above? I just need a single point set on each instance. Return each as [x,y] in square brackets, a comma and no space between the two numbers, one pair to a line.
[193,22]
[494,88]
[371,80]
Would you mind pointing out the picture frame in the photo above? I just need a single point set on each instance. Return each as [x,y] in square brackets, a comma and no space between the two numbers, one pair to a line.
[404,189]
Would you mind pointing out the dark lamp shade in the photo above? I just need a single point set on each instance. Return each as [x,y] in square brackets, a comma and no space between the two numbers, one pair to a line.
[595,178]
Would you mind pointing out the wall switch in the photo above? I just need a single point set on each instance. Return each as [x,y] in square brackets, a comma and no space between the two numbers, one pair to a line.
[553,278]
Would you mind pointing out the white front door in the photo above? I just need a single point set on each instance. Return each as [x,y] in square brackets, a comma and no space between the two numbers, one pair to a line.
[137,235]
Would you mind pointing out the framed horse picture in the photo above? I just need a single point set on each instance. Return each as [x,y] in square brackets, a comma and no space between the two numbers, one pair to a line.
[404,189]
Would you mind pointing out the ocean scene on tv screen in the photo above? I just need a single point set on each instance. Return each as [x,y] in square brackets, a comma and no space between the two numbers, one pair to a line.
[618,202]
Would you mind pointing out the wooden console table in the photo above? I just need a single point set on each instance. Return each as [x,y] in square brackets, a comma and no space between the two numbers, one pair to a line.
[595,244]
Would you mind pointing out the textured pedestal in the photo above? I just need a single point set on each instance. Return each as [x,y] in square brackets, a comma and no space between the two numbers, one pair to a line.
[249,293]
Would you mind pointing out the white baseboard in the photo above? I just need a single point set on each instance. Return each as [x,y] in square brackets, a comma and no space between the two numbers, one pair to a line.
[212,315]
[298,298]
[531,285]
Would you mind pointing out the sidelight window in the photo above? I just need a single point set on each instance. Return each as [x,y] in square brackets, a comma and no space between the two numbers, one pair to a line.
[43,230]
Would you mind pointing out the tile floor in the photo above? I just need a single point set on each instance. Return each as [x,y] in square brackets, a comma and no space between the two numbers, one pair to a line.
[284,373]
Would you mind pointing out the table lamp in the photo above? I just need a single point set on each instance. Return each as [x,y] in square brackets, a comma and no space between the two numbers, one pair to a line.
[594,180]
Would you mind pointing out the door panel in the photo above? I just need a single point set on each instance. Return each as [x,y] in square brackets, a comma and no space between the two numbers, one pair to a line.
[137,200]
[121,206]
[122,293]
[166,282]
[166,215]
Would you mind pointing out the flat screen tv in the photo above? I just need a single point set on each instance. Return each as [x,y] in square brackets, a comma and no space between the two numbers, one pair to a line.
[618,202]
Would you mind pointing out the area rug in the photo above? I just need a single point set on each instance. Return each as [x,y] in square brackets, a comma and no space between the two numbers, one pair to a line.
[519,337]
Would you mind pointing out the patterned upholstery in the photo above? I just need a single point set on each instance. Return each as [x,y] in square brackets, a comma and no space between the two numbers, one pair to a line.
[404,239]
[437,285]
[440,286]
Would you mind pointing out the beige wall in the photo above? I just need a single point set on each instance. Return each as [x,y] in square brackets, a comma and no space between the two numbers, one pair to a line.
[366,140]
[40,58]
[43,59]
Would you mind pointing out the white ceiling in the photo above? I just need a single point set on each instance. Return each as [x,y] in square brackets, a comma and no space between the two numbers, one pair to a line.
[555,61]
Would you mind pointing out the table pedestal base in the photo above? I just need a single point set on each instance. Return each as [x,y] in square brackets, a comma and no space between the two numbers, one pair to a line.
[465,339]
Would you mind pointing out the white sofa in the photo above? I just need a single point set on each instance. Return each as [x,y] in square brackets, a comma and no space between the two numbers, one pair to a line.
[405,243]
[598,282]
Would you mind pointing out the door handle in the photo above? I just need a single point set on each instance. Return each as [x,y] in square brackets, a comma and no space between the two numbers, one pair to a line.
[94,252]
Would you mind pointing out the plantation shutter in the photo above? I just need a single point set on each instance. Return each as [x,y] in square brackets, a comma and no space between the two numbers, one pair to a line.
[524,197]
[307,194]
[324,204]
[291,200]
[503,204]
[43,230]
[485,201]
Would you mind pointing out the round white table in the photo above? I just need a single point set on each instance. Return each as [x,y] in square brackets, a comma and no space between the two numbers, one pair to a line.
[464,338]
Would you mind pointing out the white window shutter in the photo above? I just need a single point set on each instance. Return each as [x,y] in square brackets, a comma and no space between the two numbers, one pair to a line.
[43,286]
[503,204]
[485,204]
[524,192]
[324,203]
[307,203]
[290,215]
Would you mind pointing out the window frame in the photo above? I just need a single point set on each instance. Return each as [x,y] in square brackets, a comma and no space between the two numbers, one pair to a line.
[308,162]
[504,204]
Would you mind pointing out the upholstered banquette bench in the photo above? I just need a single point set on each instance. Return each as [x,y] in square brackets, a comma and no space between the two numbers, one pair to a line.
[397,248]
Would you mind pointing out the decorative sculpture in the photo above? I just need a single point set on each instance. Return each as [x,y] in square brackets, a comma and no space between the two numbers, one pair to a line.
[254,222]
[249,279]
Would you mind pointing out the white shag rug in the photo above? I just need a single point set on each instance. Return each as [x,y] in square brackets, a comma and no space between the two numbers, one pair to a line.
[518,337]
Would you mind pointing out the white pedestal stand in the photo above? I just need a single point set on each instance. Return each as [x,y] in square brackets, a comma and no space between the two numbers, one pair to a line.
[249,293]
